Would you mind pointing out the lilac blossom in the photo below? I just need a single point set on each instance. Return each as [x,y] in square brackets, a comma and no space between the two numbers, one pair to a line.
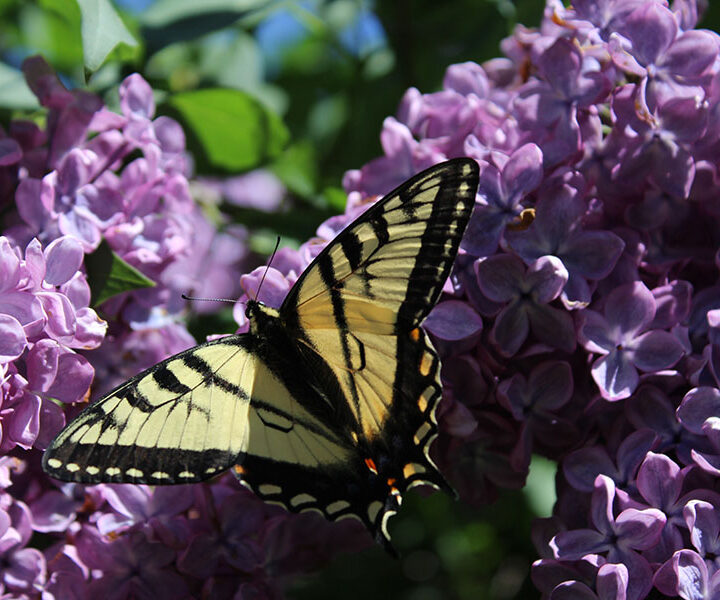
[659,484]
[621,335]
[535,401]
[139,504]
[688,576]
[699,413]
[668,62]
[131,566]
[557,230]
[549,106]
[611,584]
[24,569]
[704,526]
[503,278]
[502,189]
[45,319]
[582,467]
[656,148]
[621,537]
[649,407]
[455,325]
[579,322]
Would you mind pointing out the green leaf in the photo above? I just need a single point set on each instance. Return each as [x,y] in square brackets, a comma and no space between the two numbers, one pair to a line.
[168,22]
[14,92]
[102,30]
[53,30]
[297,168]
[233,130]
[297,225]
[164,12]
[109,275]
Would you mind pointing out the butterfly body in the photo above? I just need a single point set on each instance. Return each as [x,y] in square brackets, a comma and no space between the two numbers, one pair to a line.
[325,404]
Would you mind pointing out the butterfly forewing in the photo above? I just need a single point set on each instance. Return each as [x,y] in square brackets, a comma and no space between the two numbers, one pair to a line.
[384,272]
[181,421]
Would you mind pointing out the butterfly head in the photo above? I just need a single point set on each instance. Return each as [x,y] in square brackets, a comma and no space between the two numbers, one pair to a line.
[259,315]
[251,308]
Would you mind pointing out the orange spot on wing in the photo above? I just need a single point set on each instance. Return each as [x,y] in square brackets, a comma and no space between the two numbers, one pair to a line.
[371,465]
[415,334]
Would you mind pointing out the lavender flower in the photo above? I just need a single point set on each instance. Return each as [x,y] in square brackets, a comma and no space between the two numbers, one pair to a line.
[131,566]
[44,319]
[502,188]
[535,401]
[670,63]
[610,214]
[24,569]
[557,230]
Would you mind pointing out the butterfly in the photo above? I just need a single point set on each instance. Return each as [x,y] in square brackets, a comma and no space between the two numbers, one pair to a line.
[327,403]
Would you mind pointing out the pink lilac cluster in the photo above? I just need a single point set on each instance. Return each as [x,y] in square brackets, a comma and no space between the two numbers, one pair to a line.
[92,174]
[582,320]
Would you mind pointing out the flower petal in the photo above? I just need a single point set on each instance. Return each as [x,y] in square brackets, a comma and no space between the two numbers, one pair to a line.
[612,582]
[63,258]
[553,327]
[573,545]
[510,329]
[500,277]
[640,529]
[12,338]
[698,405]
[616,377]
[658,480]
[546,277]
[630,308]
[595,333]
[655,350]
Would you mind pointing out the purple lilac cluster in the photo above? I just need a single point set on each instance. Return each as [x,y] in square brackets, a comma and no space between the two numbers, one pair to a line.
[92,174]
[582,321]
[585,305]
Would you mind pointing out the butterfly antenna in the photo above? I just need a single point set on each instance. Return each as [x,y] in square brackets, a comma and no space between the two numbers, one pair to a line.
[186,297]
[277,245]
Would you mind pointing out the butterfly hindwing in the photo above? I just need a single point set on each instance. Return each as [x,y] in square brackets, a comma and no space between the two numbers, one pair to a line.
[378,465]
